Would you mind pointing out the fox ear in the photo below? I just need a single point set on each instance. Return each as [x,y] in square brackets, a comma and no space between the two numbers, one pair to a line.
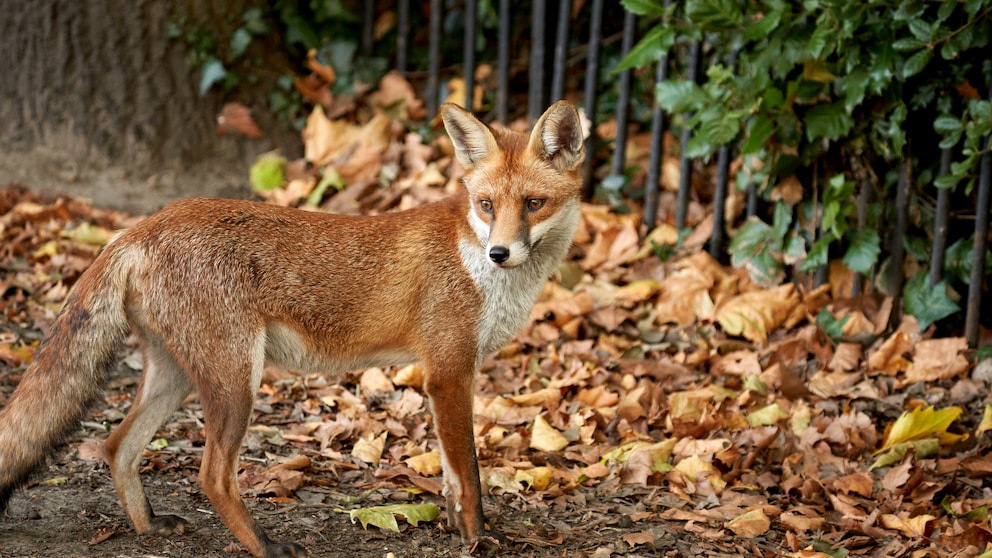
[474,141]
[557,137]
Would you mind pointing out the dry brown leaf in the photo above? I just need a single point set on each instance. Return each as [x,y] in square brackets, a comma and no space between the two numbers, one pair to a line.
[755,314]
[750,524]
[641,537]
[888,358]
[369,449]
[913,527]
[938,359]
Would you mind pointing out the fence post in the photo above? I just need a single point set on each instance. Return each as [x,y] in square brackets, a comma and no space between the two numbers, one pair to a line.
[592,78]
[561,50]
[535,91]
[469,56]
[434,59]
[685,163]
[503,63]
[938,249]
[979,247]
[402,34]
[623,102]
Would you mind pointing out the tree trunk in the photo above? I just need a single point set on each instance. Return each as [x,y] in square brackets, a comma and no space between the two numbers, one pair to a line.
[97,101]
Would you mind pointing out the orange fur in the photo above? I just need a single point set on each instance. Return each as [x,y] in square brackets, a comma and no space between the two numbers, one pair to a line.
[216,288]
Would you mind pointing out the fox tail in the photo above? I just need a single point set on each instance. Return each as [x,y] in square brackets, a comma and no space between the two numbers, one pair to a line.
[69,370]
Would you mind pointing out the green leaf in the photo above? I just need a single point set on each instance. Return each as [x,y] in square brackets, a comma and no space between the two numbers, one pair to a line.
[680,96]
[947,124]
[211,72]
[757,136]
[644,7]
[239,42]
[908,44]
[255,21]
[817,255]
[384,517]
[756,247]
[267,172]
[916,63]
[830,325]
[829,121]
[655,44]
[927,304]
[765,26]
[715,15]
[863,251]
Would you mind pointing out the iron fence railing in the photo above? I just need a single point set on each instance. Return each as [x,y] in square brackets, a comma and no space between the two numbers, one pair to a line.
[588,64]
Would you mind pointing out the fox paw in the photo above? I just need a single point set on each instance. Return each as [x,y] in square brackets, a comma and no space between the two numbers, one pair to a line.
[167,525]
[285,550]
[486,544]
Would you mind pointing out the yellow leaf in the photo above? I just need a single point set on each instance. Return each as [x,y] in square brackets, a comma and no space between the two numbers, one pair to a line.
[384,517]
[766,416]
[920,423]
[750,524]
[427,464]
[662,234]
[409,376]
[537,478]
[49,248]
[544,437]
[986,423]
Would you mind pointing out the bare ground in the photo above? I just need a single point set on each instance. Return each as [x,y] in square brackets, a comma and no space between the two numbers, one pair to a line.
[71,510]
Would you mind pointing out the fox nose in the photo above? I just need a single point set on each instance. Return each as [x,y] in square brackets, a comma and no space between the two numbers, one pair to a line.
[499,254]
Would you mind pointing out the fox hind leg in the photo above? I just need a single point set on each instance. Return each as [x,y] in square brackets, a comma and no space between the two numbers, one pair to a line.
[164,386]
[226,413]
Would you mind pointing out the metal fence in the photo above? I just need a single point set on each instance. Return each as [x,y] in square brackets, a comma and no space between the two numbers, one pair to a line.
[548,33]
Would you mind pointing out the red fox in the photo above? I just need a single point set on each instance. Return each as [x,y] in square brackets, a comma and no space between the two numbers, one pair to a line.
[215,288]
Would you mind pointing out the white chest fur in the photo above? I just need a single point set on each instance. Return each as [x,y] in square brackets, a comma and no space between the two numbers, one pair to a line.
[510,293]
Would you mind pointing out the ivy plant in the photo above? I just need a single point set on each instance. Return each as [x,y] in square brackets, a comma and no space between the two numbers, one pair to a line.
[837,92]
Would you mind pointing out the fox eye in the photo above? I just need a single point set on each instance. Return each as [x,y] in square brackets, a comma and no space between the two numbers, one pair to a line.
[486,206]
[534,204]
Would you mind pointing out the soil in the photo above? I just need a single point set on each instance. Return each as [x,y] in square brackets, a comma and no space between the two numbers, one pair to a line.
[70,509]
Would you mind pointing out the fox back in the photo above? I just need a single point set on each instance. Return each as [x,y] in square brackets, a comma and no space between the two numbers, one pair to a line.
[215,288]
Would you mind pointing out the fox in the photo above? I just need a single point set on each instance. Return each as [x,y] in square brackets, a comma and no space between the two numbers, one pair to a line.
[214,289]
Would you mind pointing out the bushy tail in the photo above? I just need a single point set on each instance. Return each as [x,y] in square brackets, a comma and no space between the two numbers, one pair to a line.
[69,370]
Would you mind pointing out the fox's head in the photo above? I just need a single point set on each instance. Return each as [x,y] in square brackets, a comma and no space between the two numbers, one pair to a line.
[522,189]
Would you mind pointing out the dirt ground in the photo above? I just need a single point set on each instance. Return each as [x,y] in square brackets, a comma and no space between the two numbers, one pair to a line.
[71,510]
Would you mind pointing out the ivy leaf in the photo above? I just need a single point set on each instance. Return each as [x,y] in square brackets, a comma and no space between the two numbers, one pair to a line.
[239,42]
[212,72]
[680,96]
[649,49]
[916,63]
[947,124]
[757,136]
[908,43]
[644,7]
[833,327]
[715,15]
[927,304]
[829,121]
[817,255]
[863,251]
[754,247]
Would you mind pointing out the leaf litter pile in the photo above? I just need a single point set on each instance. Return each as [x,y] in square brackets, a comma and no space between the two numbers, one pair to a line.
[658,403]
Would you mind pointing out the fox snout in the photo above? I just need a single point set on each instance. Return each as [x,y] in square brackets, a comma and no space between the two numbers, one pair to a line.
[499,254]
